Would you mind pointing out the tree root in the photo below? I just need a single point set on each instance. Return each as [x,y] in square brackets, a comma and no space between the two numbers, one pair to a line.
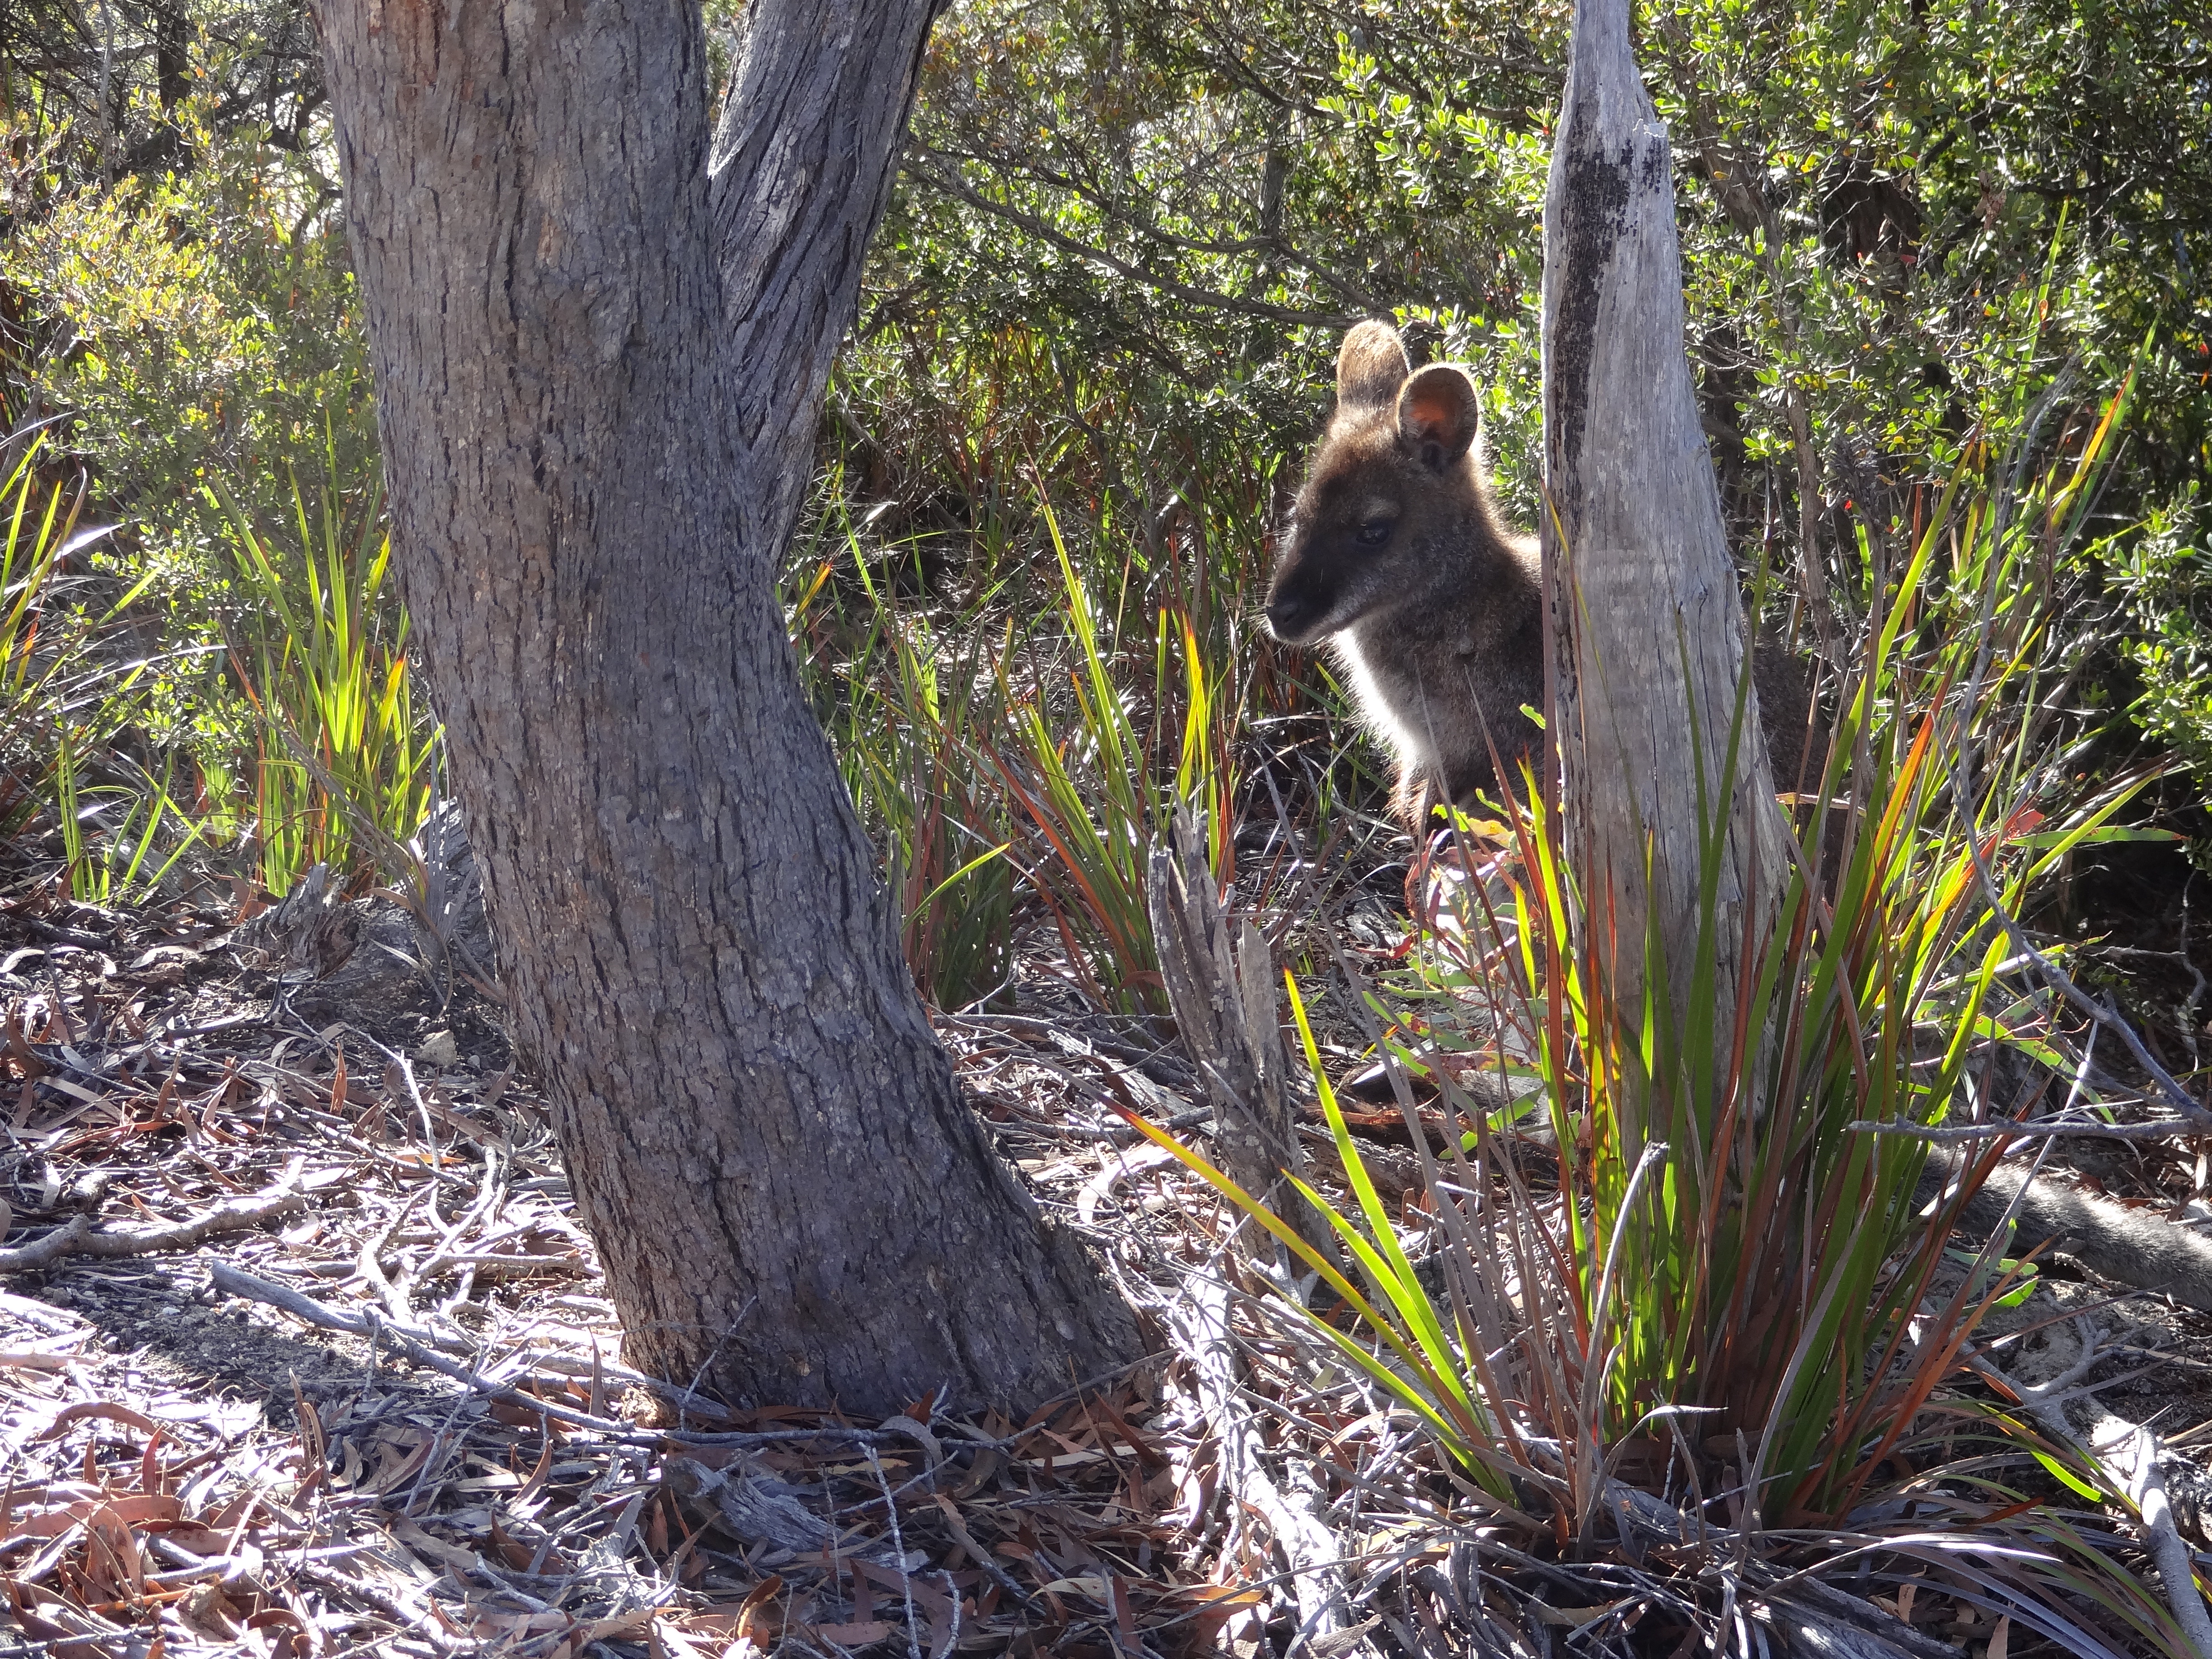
[2131,1247]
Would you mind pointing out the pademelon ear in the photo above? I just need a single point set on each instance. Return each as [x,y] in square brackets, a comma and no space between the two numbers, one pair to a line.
[1438,415]
[1371,367]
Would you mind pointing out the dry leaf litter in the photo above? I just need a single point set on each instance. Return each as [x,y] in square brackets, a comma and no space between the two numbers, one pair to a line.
[303,1352]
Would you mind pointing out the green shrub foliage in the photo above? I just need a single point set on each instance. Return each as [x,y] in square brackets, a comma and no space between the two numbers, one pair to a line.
[1129,235]
[1127,239]
[192,318]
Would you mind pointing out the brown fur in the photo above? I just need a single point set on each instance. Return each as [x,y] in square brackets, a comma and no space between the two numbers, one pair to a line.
[1396,558]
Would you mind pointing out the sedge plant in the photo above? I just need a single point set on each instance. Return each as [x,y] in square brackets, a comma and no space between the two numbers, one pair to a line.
[346,761]
[1094,799]
[909,706]
[1715,1267]
[1002,752]
[65,701]
[36,642]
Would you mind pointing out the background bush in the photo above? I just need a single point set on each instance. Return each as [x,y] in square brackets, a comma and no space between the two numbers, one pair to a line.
[1105,306]
[177,262]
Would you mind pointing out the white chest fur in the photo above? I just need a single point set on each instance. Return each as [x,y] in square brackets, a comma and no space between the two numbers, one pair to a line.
[1388,707]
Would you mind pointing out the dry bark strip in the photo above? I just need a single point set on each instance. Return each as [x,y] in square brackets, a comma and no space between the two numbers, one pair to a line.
[760,1510]
[80,1237]
[1308,1550]
[1808,1630]
[1224,999]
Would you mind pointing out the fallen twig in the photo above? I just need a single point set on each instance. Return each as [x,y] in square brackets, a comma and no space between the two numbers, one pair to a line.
[418,1345]
[416,1617]
[2127,1454]
[2115,1437]
[2158,1129]
[79,1237]
[421,1347]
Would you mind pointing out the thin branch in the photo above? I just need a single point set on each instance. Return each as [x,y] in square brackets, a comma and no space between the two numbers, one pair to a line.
[1207,297]
[79,1238]
[2155,1130]
[2194,1117]
[419,1347]
[1276,246]
[2146,1488]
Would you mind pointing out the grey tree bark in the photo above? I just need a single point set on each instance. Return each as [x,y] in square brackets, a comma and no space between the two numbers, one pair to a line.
[1647,641]
[1224,996]
[599,362]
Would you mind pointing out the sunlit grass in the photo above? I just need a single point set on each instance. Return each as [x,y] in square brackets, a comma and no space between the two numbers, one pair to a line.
[1024,746]
[320,656]
[66,696]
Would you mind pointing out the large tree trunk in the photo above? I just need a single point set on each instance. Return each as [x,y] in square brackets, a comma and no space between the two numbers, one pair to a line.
[598,374]
[1644,610]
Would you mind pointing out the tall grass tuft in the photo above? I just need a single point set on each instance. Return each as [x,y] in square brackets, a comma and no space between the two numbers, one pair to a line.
[1023,740]
[65,701]
[909,707]
[34,538]
[1094,799]
[320,652]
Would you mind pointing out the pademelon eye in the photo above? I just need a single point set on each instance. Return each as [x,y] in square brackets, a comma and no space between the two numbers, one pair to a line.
[1375,532]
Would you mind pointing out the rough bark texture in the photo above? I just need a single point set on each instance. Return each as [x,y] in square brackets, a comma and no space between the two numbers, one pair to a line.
[1637,567]
[595,440]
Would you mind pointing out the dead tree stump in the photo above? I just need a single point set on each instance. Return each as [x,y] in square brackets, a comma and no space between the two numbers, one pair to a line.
[1647,632]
